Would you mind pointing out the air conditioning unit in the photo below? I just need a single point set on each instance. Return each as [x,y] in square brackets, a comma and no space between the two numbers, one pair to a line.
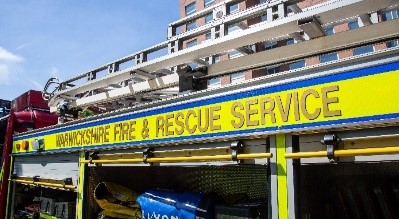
[219,12]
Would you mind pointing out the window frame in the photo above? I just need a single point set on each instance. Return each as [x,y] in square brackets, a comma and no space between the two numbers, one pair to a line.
[217,83]
[192,11]
[194,41]
[394,14]
[351,25]
[363,49]
[208,3]
[234,54]
[330,30]
[328,58]
[233,28]
[208,16]
[234,10]
[208,36]
[273,70]
[189,25]
[237,77]
[297,64]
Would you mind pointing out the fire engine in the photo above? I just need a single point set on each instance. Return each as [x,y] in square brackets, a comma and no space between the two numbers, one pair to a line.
[318,141]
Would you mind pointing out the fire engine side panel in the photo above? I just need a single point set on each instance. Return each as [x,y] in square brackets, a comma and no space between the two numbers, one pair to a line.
[55,167]
[357,97]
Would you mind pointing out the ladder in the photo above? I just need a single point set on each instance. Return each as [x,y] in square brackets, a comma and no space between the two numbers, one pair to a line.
[146,80]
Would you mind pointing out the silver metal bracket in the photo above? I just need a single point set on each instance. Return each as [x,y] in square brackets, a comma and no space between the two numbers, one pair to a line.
[67,181]
[331,141]
[93,156]
[148,153]
[236,148]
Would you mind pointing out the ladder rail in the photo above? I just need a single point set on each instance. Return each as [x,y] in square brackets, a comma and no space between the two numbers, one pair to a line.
[326,13]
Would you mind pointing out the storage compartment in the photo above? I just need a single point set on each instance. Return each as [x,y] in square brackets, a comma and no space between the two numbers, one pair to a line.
[349,190]
[230,185]
[32,201]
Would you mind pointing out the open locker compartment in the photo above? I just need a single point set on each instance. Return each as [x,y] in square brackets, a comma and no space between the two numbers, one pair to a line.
[228,185]
[45,186]
[349,190]
[40,202]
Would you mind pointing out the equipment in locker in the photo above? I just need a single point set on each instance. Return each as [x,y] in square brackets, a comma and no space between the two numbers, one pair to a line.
[116,201]
[170,204]
[65,210]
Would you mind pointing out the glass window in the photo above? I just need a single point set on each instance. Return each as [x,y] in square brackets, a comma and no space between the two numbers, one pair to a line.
[208,18]
[270,45]
[237,77]
[353,25]
[295,65]
[232,27]
[191,43]
[363,49]
[390,15]
[192,25]
[234,54]
[392,43]
[328,57]
[289,42]
[208,36]
[208,3]
[214,82]
[273,70]
[190,9]
[263,17]
[329,30]
[216,58]
[234,8]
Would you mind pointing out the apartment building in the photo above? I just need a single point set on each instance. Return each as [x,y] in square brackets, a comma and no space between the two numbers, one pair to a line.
[209,12]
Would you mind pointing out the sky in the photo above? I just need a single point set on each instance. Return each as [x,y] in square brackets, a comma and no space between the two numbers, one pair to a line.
[41,39]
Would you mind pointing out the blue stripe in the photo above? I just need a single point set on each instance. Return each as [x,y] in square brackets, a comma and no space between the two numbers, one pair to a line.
[257,92]
[200,137]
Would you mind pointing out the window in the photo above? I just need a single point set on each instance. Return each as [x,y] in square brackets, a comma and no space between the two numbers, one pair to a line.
[234,54]
[208,3]
[390,15]
[232,27]
[363,49]
[237,77]
[208,36]
[208,18]
[263,17]
[353,25]
[191,43]
[190,9]
[214,82]
[328,57]
[192,25]
[233,8]
[392,43]
[295,65]
[273,70]
[329,30]
[291,41]
[270,45]
[216,58]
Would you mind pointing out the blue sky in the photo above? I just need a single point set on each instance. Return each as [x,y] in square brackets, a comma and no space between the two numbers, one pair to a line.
[40,39]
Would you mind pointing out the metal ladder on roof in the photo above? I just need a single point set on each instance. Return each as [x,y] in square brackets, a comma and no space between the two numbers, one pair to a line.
[146,80]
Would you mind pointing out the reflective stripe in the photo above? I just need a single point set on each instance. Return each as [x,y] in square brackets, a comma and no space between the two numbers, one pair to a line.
[282,195]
